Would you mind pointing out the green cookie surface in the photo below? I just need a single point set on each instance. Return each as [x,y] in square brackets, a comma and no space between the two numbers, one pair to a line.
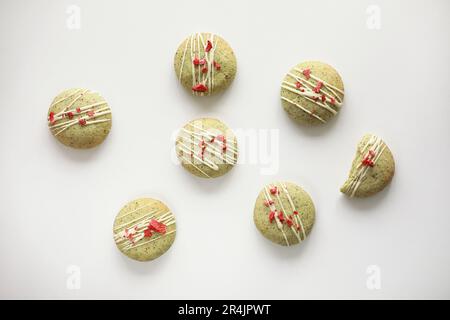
[312,93]
[144,229]
[207,148]
[205,64]
[284,213]
[79,118]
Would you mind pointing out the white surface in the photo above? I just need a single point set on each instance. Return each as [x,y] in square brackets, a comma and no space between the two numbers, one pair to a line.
[58,204]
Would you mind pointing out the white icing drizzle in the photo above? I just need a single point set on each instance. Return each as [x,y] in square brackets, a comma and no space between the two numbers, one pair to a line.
[326,92]
[62,122]
[374,144]
[197,46]
[136,228]
[212,145]
[274,209]
[297,218]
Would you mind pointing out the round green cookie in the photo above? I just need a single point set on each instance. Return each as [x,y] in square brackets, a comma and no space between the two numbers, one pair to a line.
[144,229]
[372,169]
[284,213]
[207,148]
[312,92]
[205,64]
[79,118]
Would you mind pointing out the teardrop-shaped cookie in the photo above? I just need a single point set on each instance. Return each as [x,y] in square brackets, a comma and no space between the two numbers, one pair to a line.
[372,169]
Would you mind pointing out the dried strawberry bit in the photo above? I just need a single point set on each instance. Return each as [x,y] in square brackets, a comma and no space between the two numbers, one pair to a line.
[298,85]
[274,190]
[323,98]
[212,139]
[82,122]
[202,145]
[318,87]
[268,203]
[367,162]
[289,221]
[202,62]
[332,101]
[217,65]
[208,46]
[148,233]
[200,88]
[51,117]
[298,227]
[281,216]
[69,115]
[157,226]
[78,110]
[271,216]
[196,61]
[307,73]
[295,212]
[302,90]
[205,69]
[90,113]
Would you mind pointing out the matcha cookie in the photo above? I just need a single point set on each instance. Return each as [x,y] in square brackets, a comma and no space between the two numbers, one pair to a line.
[284,213]
[312,92]
[372,168]
[79,118]
[207,148]
[144,229]
[205,64]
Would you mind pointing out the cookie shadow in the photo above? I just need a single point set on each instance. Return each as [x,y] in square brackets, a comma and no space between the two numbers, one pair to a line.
[207,102]
[209,185]
[315,130]
[294,252]
[77,155]
[367,204]
[143,267]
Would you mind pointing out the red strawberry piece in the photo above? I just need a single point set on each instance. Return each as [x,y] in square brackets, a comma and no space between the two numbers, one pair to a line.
[289,222]
[202,61]
[200,88]
[274,190]
[205,69]
[318,87]
[82,122]
[298,84]
[78,110]
[208,46]
[271,216]
[157,226]
[90,113]
[51,117]
[196,61]
[70,115]
[216,65]
[307,73]
[332,101]
[148,233]
[281,216]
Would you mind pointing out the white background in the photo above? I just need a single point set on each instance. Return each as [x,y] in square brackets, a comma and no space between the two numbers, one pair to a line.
[58,204]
